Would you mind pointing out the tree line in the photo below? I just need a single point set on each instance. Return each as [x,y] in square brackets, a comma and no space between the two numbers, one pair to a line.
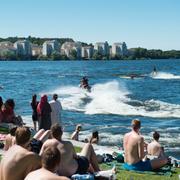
[133,53]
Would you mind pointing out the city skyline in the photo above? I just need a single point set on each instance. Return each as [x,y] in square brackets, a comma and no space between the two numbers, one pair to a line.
[152,25]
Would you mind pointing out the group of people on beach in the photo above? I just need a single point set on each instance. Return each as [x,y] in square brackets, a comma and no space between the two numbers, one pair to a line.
[46,113]
[7,114]
[134,149]
[48,156]
[94,139]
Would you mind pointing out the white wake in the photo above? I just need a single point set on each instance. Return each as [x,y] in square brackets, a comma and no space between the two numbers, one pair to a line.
[112,98]
[164,75]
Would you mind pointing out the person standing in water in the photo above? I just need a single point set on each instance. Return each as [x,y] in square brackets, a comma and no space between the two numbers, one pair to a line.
[44,113]
[34,104]
[56,108]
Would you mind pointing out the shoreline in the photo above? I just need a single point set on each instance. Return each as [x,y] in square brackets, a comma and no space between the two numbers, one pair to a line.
[85,60]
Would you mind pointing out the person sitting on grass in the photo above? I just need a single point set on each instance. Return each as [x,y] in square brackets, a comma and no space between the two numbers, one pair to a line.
[75,134]
[133,144]
[154,148]
[50,160]
[8,114]
[18,161]
[71,163]
[95,137]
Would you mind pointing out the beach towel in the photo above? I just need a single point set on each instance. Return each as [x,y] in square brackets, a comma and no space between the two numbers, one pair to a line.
[164,171]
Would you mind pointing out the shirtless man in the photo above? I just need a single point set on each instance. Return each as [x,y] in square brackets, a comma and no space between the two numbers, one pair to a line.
[134,151]
[154,148]
[71,163]
[17,162]
[50,161]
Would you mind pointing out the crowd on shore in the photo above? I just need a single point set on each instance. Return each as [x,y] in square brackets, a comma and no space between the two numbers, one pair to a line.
[48,156]
[44,113]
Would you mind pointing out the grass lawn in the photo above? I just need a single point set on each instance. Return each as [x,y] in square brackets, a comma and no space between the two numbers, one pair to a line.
[127,175]
[130,175]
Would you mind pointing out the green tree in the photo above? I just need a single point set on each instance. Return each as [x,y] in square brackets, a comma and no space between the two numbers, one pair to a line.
[73,54]
[97,56]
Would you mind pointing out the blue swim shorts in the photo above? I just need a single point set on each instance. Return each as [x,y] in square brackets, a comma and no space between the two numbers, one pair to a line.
[139,166]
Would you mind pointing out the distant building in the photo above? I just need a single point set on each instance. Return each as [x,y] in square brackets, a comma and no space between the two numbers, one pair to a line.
[102,48]
[119,49]
[87,52]
[23,47]
[49,47]
[67,48]
[7,49]
[6,44]
[36,50]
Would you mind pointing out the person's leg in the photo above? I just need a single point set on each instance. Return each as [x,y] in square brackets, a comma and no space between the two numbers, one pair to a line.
[158,163]
[35,127]
[89,153]
[45,136]
[39,134]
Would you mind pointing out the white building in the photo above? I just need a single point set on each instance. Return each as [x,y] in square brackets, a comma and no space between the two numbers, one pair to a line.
[67,48]
[23,47]
[36,50]
[102,48]
[49,47]
[87,52]
[119,49]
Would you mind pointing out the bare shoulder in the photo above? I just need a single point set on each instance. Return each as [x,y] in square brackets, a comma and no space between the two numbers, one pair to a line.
[127,134]
[33,157]
[51,142]
[141,138]
[60,178]
[64,178]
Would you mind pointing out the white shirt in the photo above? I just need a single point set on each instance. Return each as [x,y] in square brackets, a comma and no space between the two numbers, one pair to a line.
[56,112]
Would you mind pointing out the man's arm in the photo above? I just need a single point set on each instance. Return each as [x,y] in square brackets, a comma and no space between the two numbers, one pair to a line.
[124,142]
[43,148]
[141,148]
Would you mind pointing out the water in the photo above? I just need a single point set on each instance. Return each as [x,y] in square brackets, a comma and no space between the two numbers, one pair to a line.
[114,101]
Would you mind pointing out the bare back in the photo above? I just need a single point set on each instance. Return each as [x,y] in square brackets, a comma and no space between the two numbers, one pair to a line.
[154,148]
[44,174]
[17,163]
[49,143]
[134,147]
[68,165]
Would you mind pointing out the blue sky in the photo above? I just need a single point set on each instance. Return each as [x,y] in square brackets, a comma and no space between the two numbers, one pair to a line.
[144,23]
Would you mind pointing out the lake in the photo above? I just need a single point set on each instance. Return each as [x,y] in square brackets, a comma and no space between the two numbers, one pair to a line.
[114,101]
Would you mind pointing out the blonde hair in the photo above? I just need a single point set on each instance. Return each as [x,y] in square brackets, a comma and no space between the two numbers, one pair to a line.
[136,124]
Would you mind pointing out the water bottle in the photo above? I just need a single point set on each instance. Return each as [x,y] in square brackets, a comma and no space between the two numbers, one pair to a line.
[82,177]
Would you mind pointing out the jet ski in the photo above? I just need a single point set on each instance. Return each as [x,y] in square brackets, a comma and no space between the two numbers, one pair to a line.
[86,87]
[132,76]
[84,84]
